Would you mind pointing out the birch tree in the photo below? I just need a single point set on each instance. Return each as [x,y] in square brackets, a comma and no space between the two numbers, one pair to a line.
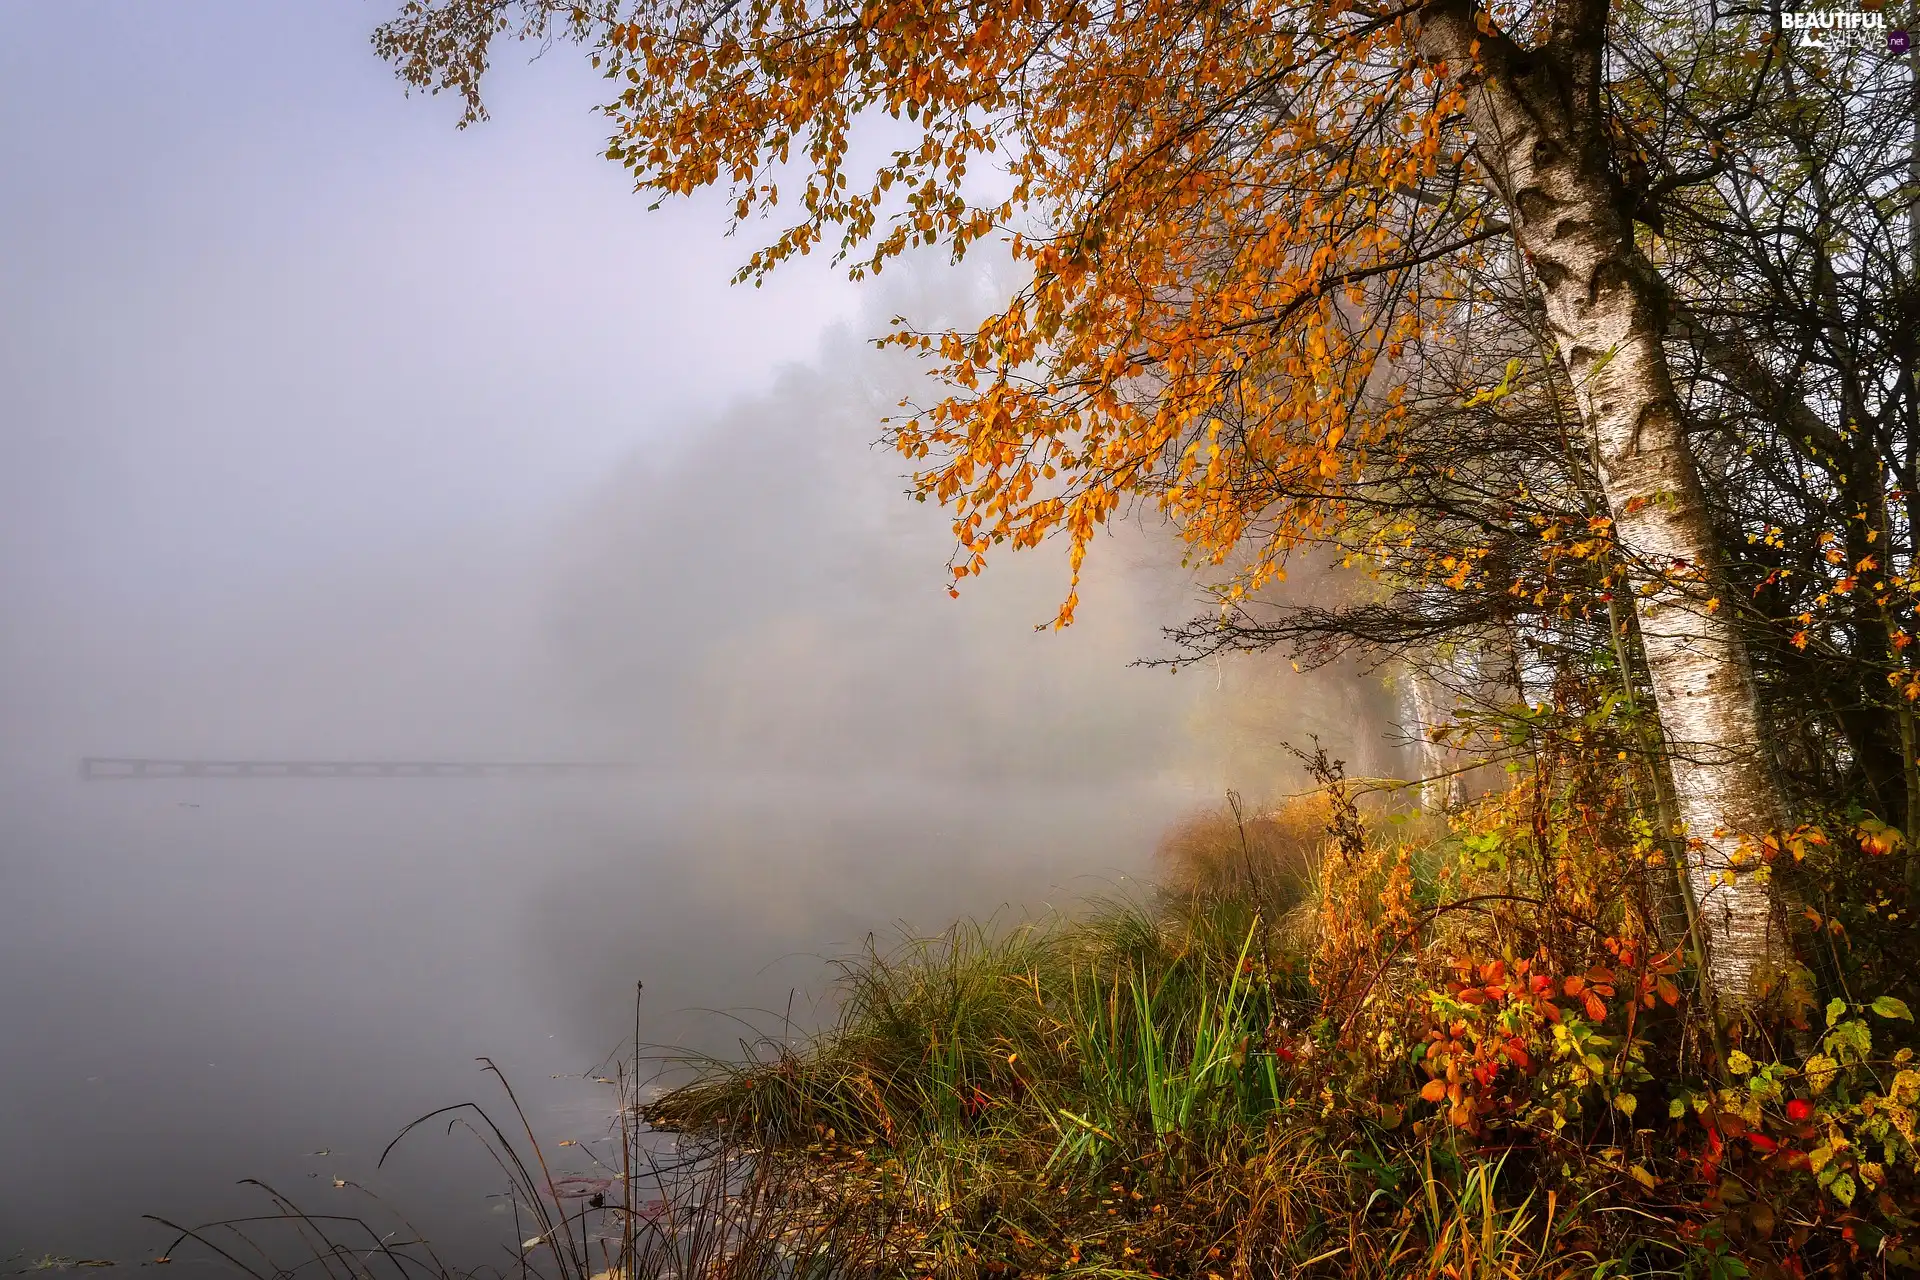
[1542,140]
[1242,219]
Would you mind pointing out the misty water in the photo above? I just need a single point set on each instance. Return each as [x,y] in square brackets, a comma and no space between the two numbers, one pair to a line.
[328,433]
[217,978]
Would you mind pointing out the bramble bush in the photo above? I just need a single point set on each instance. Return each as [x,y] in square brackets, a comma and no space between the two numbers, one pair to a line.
[1525,986]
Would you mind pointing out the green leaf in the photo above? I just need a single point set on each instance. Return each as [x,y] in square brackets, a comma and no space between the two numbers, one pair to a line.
[1676,1108]
[1888,1007]
[1851,1041]
[1836,1010]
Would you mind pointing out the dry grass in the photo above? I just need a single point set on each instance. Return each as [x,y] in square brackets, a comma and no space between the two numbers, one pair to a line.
[1220,852]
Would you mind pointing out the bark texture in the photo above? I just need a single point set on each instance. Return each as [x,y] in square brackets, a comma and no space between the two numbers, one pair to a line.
[1538,126]
[1474,673]
[1441,787]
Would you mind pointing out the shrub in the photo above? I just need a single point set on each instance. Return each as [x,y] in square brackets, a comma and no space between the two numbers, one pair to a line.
[1485,1052]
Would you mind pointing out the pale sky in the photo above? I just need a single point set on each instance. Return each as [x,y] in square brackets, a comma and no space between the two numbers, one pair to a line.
[262,310]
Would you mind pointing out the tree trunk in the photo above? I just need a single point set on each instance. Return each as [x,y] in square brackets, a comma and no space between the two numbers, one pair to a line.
[1441,786]
[1539,135]
[1910,766]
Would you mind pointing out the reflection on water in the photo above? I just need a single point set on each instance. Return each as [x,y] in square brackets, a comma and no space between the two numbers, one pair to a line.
[217,979]
[302,405]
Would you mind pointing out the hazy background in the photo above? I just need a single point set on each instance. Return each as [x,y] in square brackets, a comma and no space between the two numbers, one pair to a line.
[329,431]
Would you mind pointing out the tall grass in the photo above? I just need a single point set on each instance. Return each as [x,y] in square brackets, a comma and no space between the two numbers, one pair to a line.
[1154,1087]
[1104,1095]
[1177,1079]
[1134,1025]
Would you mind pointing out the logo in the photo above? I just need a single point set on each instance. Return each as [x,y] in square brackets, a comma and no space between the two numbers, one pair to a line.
[1839,29]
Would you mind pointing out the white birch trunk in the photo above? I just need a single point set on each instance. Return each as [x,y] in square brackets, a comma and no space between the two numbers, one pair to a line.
[1535,117]
[1441,786]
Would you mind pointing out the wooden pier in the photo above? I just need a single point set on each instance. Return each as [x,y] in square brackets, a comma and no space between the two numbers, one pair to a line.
[125,768]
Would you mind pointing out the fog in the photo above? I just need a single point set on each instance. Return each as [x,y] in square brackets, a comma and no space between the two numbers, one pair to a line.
[329,433]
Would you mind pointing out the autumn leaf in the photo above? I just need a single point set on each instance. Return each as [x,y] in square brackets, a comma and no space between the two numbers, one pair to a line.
[1891,1007]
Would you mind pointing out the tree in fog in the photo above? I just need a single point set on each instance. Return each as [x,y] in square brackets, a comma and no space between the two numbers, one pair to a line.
[1309,274]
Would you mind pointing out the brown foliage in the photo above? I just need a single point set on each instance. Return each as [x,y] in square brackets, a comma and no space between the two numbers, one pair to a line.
[1271,854]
